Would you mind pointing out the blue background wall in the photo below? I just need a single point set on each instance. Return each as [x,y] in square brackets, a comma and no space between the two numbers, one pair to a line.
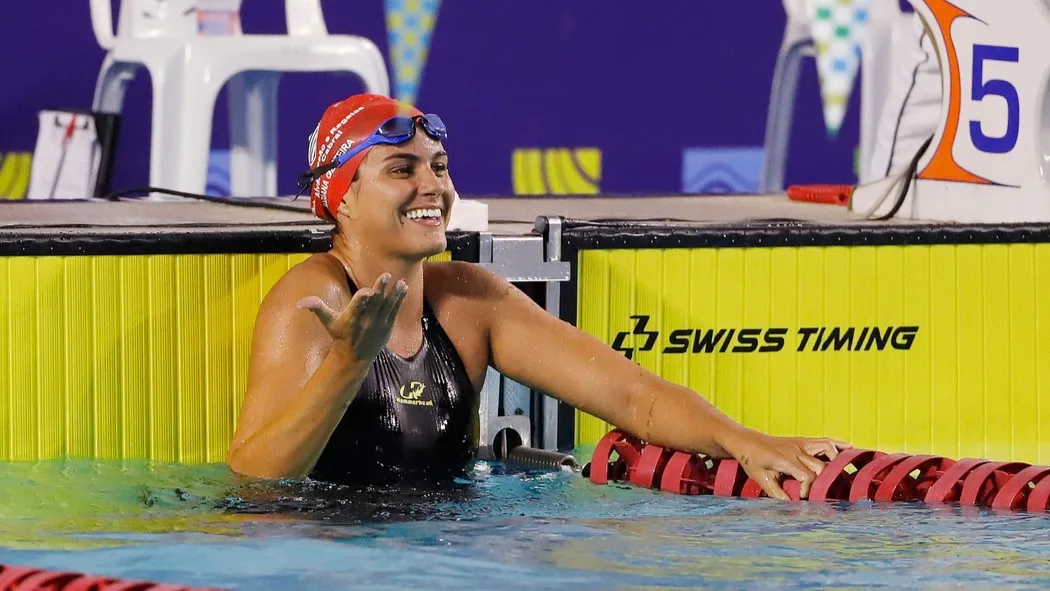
[662,89]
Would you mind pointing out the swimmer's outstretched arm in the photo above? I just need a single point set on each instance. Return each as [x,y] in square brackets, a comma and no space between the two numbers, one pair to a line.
[531,346]
[303,374]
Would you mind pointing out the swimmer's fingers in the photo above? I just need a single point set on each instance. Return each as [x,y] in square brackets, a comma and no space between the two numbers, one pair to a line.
[795,463]
[373,299]
[766,458]
[320,309]
[771,485]
[392,304]
[337,323]
[361,306]
[828,448]
[813,468]
[385,300]
[366,302]
[386,291]
[382,286]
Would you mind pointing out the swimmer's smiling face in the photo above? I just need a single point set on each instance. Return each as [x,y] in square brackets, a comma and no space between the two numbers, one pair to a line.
[402,198]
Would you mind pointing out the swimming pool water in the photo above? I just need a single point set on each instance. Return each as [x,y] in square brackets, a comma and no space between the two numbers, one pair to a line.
[503,528]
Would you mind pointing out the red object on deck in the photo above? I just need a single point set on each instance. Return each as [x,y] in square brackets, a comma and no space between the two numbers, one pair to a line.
[20,578]
[854,475]
[829,194]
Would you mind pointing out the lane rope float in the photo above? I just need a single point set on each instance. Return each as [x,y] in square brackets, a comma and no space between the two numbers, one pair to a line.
[854,475]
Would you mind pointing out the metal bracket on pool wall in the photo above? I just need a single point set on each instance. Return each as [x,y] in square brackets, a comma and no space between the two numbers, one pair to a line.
[512,416]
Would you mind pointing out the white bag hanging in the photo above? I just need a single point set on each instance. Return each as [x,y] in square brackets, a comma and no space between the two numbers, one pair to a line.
[73,157]
[66,157]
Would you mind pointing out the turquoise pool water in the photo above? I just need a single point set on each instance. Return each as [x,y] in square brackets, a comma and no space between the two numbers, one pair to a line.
[502,529]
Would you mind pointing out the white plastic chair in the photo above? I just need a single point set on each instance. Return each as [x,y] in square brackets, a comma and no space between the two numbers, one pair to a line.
[188,70]
[798,43]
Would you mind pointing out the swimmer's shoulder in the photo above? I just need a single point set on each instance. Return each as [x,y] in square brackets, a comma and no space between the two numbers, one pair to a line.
[462,296]
[320,275]
[462,282]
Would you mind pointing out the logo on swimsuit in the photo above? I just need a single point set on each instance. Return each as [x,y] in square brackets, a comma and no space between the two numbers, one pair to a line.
[411,394]
[766,340]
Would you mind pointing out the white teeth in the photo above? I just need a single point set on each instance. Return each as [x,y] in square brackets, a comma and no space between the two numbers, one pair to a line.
[416,214]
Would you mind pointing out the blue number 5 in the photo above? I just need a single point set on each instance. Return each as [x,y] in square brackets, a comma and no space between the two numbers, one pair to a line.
[1000,88]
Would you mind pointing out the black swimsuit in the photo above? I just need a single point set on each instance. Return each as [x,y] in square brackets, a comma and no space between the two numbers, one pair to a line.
[412,419]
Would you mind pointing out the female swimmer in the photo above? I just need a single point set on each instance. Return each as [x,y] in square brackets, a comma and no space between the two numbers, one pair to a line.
[367,361]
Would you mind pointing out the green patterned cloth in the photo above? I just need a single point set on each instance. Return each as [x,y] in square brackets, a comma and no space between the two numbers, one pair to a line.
[409,26]
[838,29]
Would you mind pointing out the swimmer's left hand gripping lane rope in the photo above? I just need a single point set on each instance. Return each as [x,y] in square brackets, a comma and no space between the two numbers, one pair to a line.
[855,475]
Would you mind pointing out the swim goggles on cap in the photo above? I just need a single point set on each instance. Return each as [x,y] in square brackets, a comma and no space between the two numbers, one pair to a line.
[396,130]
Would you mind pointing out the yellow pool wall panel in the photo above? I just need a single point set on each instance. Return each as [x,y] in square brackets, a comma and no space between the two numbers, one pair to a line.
[127,357]
[968,376]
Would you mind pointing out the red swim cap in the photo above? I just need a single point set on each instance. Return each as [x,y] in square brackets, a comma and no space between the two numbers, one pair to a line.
[343,125]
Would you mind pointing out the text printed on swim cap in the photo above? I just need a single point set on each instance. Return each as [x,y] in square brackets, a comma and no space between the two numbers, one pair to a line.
[333,136]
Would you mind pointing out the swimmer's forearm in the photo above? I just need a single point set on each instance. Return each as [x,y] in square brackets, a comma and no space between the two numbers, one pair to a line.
[581,370]
[289,445]
[675,417]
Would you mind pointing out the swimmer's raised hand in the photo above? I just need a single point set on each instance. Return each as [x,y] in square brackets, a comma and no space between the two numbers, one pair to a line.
[301,383]
[365,324]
